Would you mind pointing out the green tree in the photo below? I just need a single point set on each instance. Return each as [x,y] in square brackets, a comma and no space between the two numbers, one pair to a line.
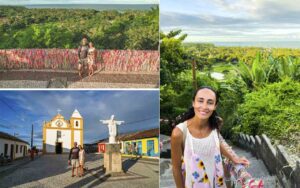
[172,56]
[273,110]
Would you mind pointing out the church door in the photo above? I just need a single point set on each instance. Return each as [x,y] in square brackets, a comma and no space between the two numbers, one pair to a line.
[58,148]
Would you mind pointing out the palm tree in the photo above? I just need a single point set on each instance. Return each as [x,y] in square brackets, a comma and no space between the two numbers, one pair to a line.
[269,70]
[254,76]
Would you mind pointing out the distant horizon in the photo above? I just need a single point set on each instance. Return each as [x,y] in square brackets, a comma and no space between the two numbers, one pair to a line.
[97,7]
[257,44]
[34,2]
[82,4]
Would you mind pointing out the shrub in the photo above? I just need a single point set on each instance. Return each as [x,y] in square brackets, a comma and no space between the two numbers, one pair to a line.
[273,110]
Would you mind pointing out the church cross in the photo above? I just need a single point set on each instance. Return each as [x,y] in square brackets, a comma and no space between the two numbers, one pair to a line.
[58,111]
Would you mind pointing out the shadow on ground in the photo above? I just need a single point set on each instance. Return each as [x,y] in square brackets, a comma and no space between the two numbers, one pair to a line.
[97,176]
[128,163]
[46,169]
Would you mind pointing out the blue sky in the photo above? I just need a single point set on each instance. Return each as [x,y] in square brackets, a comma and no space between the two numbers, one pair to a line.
[26,2]
[232,20]
[19,109]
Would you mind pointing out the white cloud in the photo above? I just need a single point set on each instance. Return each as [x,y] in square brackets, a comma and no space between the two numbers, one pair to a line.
[235,20]
[101,106]
[93,106]
[65,100]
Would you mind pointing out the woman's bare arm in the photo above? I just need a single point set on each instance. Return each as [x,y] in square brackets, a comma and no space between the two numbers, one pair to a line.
[229,153]
[176,154]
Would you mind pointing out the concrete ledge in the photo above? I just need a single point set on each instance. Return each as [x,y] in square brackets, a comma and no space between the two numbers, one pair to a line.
[257,144]
[275,158]
[269,154]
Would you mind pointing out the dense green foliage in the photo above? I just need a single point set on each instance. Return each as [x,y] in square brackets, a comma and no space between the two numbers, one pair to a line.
[269,70]
[211,54]
[258,94]
[63,28]
[273,110]
[172,57]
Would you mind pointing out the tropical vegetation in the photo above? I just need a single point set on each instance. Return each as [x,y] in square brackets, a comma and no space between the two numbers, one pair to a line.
[21,27]
[259,88]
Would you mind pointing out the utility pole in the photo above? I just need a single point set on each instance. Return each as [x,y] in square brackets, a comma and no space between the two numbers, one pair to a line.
[15,146]
[31,135]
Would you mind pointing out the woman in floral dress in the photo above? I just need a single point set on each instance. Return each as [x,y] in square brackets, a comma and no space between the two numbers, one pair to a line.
[196,139]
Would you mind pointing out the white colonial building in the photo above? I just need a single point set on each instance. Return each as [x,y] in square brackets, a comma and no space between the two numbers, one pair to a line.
[59,134]
[12,146]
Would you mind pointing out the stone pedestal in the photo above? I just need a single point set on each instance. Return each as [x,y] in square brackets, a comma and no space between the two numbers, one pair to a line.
[112,158]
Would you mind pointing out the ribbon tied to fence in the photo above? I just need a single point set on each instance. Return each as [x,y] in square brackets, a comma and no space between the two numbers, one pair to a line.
[67,59]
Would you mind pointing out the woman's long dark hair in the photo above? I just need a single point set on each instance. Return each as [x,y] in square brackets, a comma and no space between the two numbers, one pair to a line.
[215,121]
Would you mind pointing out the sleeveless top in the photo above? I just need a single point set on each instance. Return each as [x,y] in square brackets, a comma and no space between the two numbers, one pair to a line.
[202,166]
[91,55]
[81,155]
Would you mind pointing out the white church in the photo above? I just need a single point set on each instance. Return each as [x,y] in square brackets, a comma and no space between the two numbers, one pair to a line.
[59,134]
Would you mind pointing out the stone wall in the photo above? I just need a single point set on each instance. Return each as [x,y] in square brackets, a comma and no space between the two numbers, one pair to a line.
[165,150]
[275,158]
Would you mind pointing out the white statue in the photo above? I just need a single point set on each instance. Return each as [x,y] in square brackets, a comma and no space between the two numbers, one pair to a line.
[112,128]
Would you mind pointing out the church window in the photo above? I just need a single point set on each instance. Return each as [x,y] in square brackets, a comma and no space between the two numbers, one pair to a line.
[58,134]
[76,123]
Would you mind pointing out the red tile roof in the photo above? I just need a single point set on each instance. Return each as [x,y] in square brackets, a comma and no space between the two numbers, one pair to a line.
[10,137]
[139,135]
[133,136]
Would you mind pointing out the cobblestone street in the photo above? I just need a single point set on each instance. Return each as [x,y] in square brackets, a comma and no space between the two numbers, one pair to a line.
[53,171]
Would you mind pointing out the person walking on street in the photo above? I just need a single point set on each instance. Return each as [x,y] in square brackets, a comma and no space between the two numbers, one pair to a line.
[32,154]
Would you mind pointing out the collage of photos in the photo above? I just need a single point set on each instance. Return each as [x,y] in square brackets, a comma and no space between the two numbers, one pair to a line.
[79,97]
[149,94]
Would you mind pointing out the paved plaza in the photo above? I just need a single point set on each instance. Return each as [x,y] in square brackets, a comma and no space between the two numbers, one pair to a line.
[53,171]
[59,79]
